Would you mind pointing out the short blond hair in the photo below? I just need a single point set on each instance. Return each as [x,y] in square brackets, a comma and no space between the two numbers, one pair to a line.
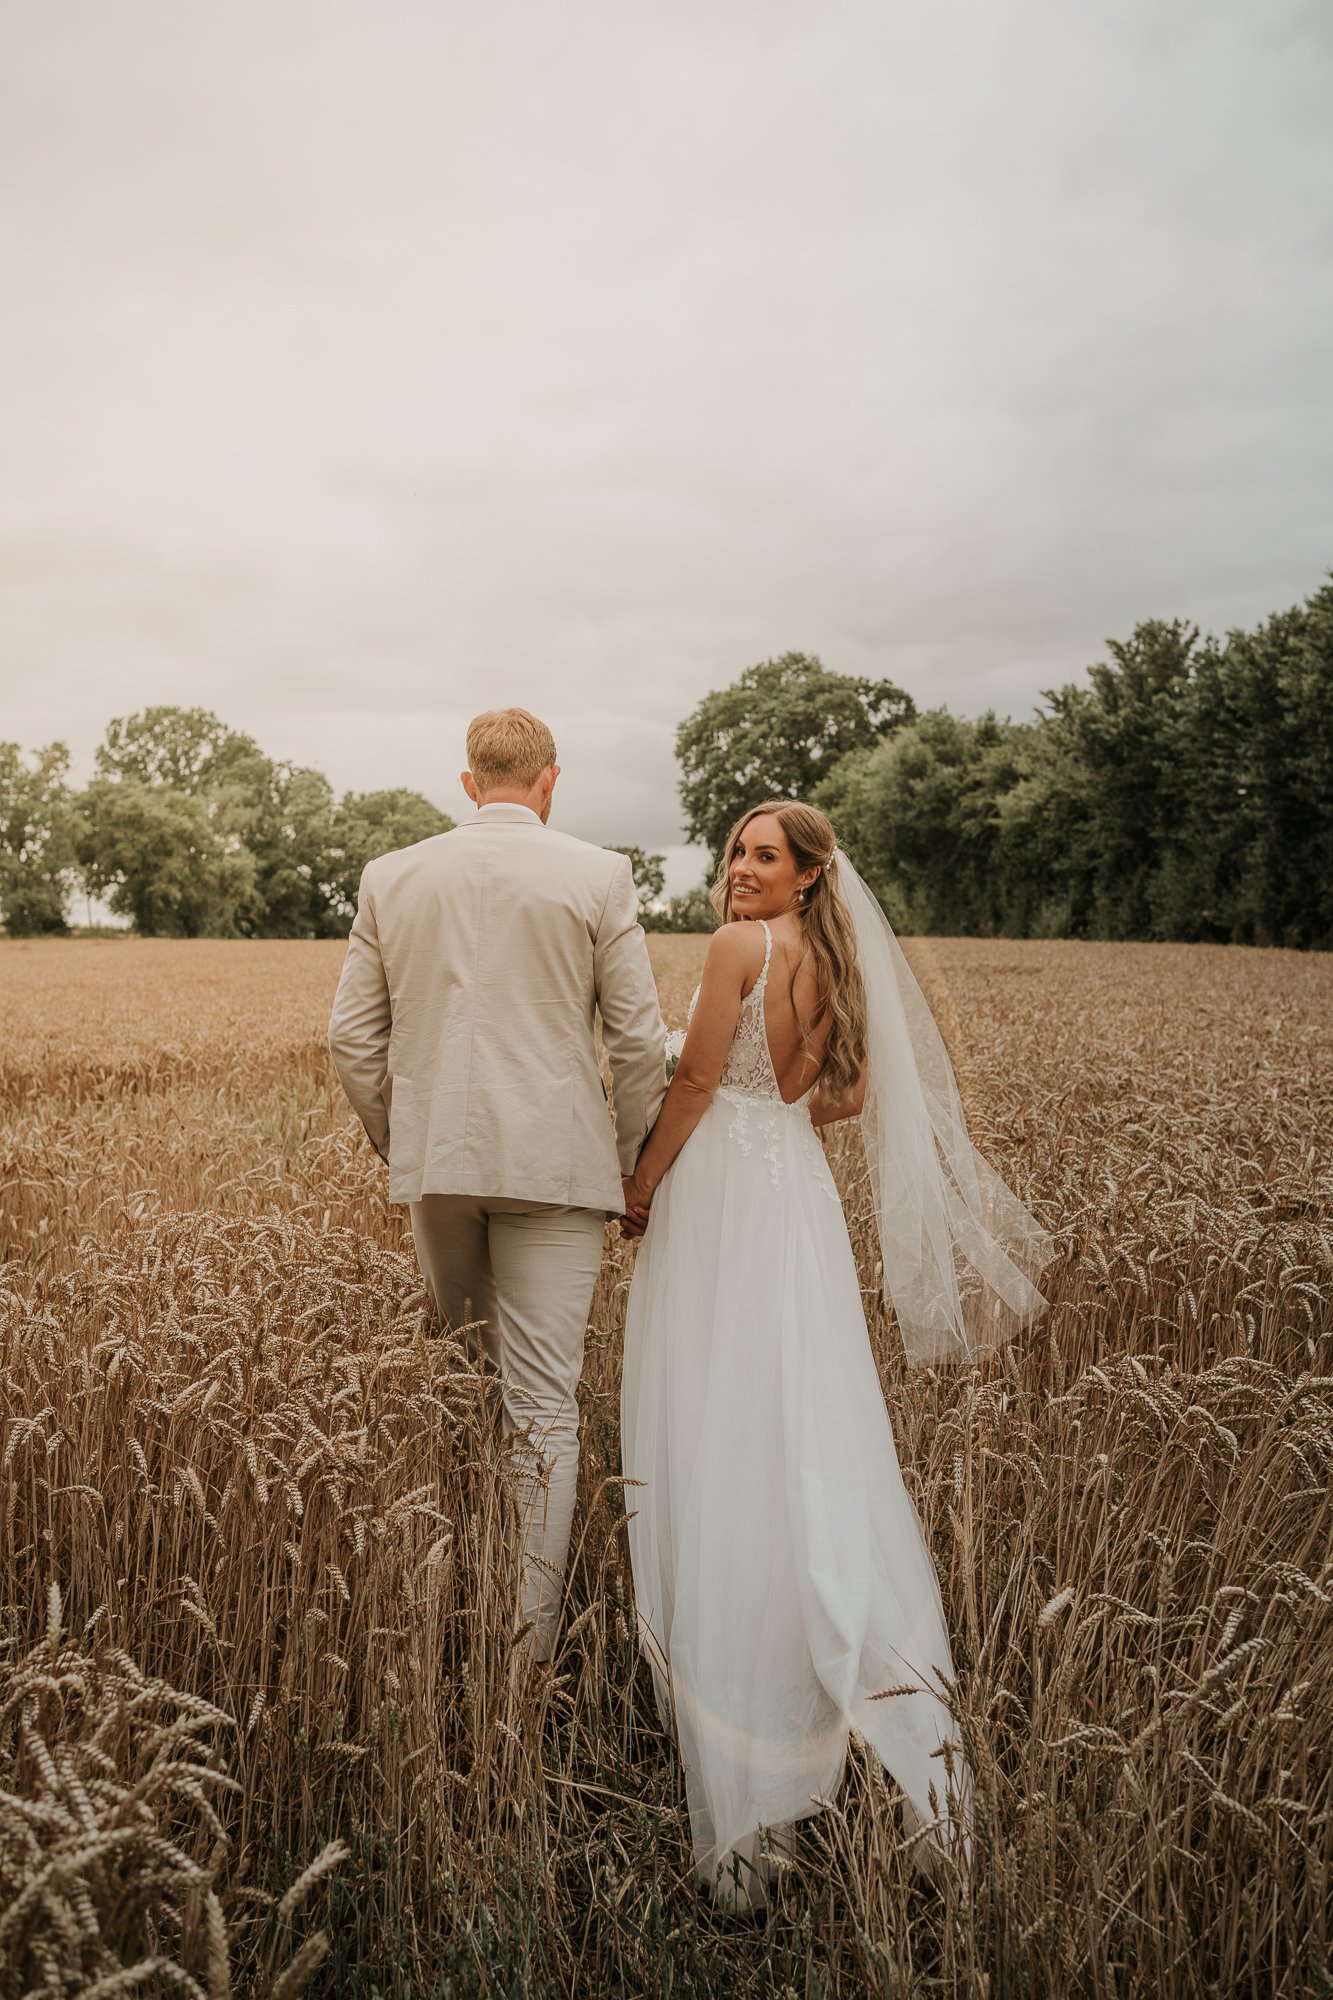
[508,747]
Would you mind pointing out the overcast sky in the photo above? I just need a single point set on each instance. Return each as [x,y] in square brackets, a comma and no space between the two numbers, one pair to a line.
[362,366]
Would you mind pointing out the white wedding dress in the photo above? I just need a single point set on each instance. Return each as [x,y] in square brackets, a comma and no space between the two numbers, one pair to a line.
[781,1577]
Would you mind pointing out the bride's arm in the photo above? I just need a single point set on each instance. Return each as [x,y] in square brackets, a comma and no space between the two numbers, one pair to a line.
[826,1112]
[734,955]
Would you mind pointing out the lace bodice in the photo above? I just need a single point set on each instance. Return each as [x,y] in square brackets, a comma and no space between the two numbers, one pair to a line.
[749,1086]
[749,1064]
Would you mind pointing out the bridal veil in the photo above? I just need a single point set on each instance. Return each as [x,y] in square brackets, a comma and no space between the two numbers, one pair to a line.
[960,1251]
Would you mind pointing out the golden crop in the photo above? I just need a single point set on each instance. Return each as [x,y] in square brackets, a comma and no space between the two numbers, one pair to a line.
[258,1577]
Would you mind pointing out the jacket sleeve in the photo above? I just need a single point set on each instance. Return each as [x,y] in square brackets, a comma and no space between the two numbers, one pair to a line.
[632,1025]
[360,1022]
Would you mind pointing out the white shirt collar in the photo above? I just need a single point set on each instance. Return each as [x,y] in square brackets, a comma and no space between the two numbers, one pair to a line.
[510,806]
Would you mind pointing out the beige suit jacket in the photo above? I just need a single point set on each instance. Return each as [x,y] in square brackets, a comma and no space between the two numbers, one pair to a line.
[463,1028]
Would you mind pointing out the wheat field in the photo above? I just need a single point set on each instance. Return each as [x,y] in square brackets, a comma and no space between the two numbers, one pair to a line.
[262,1723]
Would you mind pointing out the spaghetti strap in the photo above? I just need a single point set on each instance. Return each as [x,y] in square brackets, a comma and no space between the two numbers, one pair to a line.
[768,953]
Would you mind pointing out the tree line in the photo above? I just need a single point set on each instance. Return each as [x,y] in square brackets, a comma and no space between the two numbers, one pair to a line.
[190,830]
[1184,791]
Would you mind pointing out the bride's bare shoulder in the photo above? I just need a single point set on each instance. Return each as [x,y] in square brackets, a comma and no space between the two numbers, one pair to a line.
[739,936]
[735,948]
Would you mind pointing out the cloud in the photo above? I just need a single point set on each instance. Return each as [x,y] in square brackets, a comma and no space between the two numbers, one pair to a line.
[367,369]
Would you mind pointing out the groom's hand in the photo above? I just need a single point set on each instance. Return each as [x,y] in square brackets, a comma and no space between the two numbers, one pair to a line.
[635,1219]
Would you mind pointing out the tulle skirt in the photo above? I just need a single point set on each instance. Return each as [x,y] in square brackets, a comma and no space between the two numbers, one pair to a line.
[782,1580]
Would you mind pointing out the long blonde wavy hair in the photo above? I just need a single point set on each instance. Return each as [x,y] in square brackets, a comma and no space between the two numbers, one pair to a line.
[829,938]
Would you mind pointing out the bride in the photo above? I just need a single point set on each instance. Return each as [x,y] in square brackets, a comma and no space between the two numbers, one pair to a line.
[784,1590]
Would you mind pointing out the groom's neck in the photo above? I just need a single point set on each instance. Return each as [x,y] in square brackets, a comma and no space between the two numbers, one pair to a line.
[536,801]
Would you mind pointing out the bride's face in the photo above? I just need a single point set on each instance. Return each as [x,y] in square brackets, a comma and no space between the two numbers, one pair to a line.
[763,878]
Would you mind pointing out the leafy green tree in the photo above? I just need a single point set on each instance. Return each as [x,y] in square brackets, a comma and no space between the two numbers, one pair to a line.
[253,832]
[37,839]
[1279,680]
[1194,796]
[1185,790]
[1201,861]
[692,912]
[917,815]
[234,842]
[1127,728]
[775,733]
[157,854]
[185,748]
[366,825]
[1043,846]
[649,874]
[285,817]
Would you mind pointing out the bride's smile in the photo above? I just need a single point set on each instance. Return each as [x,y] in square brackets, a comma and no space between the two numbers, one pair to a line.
[764,879]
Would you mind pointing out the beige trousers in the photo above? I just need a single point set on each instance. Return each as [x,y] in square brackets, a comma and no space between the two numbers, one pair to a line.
[527,1269]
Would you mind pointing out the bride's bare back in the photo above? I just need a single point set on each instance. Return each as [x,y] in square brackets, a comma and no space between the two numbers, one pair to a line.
[791,1000]
[734,963]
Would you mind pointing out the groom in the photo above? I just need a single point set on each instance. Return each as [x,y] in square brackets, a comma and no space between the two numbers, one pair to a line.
[463,1031]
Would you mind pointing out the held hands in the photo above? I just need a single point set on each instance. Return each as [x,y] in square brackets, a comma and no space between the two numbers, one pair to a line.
[637,1202]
